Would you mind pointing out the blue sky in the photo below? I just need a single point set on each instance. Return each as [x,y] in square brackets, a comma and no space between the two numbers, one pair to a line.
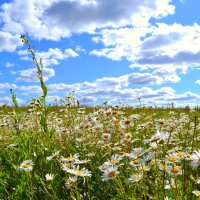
[147,49]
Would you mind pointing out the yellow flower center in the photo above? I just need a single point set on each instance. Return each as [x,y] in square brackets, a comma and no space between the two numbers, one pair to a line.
[175,169]
[127,122]
[122,152]
[197,193]
[103,168]
[78,172]
[136,162]
[137,155]
[112,162]
[70,158]
[172,159]
[181,154]
[137,179]
[98,128]
[199,161]
[26,165]
[112,174]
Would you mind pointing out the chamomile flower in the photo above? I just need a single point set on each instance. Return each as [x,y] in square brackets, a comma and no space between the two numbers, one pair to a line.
[110,173]
[49,177]
[114,160]
[172,158]
[135,178]
[53,155]
[195,159]
[26,165]
[77,172]
[196,192]
[174,170]
[70,183]
[70,158]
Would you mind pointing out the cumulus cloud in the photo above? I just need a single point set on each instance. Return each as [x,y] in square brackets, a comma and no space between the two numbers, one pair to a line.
[152,46]
[51,57]
[7,86]
[55,19]
[7,100]
[9,42]
[30,75]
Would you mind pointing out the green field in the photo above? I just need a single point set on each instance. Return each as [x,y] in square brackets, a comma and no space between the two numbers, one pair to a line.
[99,153]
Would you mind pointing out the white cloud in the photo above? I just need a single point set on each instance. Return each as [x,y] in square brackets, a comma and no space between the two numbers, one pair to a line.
[61,87]
[7,100]
[7,86]
[152,46]
[9,64]
[30,75]
[55,19]
[9,42]
[51,57]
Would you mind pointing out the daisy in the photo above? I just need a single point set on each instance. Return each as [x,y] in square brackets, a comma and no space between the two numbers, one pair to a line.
[135,178]
[175,170]
[53,155]
[136,153]
[196,192]
[69,159]
[49,177]
[26,166]
[172,158]
[103,167]
[77,172]
[110,173]
[114,160]
[195,159]
[70,183]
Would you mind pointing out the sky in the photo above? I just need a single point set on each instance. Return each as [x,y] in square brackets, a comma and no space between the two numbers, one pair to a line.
[115,51]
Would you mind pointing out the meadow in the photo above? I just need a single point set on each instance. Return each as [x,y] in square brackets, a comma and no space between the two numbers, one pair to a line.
[103,152]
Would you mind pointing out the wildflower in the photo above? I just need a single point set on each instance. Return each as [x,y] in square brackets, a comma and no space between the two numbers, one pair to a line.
[114,160]
[117,148]
[77,172]
[106,136]
[103,167]
[182,155]
[69,159]
[175,170]
[144,168]
[136,153]
[26,166]
[135,162]
[135,178]
[49,177]
[195,159]
[172,158]
[196,192]
[53,155]
[70,183]
[170,184]
[81,161]
[110,173]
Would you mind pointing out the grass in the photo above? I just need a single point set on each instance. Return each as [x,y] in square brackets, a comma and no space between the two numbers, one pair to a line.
[96,135]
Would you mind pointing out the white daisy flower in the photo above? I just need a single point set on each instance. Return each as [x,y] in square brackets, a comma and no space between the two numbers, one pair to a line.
[196,192]
[110,173]
[195,159]
[77,172]
[70,183]
[49,177]
[26,166]
[136,178]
